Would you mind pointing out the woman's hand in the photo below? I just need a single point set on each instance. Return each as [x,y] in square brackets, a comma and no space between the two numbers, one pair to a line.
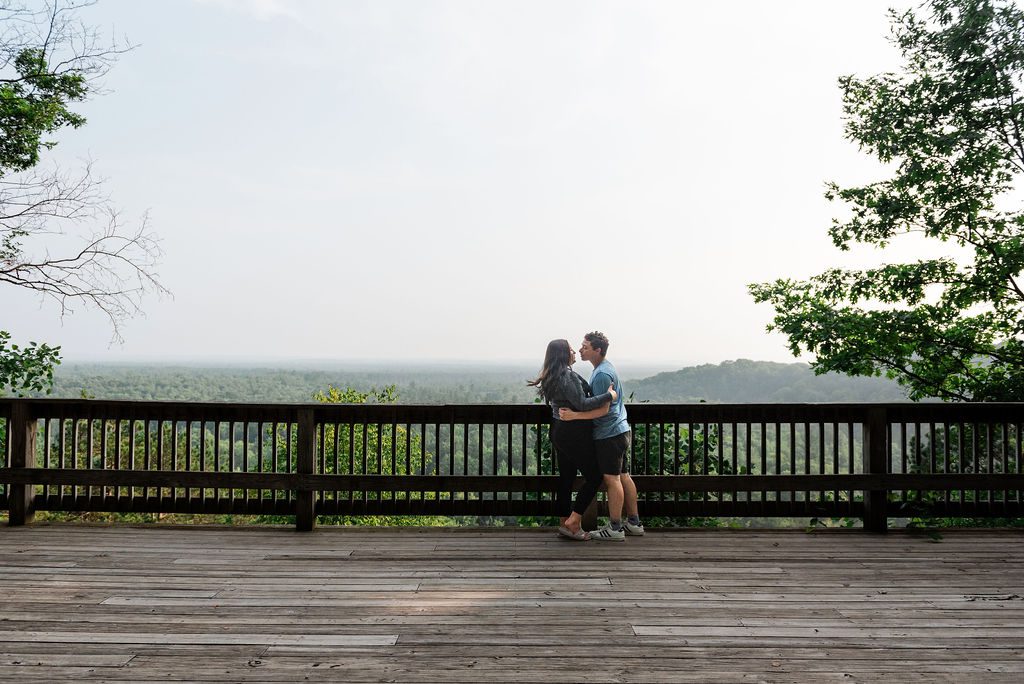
[567,414]
[615,395]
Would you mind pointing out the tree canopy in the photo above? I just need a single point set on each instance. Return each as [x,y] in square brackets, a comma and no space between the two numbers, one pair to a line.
[950,125]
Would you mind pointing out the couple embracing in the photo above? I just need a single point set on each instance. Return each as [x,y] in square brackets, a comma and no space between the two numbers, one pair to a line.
[591,435]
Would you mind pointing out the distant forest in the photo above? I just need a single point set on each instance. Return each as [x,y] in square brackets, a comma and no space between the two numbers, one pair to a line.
[746,381]
[741,381]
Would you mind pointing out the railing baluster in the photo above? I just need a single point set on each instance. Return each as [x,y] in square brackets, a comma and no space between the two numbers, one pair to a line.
[735,470]
[945,456]
[188,460]
[807,462]
[675,456]
[78,458]
[748,447]
[351,459]
[174,462]
[764,462]
[423,457]
[991,464]
[974,462]
[321,448]
[821,458]
[1003,453]
[480,456]
[366,457]
[202,460]
[494,455]
[835,459]
[147,463]
[792,462]
[465,453]
[903,453]
[103,490]
[89,446]
[61,447]
[931,447]
[917,455]
[116,460]
[47,456]
[776,494]
[1019,456]
[336,448]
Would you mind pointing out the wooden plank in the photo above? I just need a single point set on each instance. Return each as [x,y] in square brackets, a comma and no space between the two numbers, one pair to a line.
[8,658]
[199,638]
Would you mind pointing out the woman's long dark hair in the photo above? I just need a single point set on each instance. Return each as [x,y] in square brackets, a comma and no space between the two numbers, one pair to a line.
[556,362]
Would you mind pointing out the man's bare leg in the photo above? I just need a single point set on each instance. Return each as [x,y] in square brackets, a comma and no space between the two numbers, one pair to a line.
[629,495]
[615,496]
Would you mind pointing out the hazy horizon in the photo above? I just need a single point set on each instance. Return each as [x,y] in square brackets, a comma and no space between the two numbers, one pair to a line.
[628,369]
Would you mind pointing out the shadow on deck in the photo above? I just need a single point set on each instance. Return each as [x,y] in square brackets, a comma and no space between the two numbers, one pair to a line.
[414,604]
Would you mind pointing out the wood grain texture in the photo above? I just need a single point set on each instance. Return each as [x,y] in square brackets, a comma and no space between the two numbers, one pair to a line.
[431,605]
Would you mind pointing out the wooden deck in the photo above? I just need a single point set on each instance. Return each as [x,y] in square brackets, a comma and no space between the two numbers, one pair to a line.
[120,603]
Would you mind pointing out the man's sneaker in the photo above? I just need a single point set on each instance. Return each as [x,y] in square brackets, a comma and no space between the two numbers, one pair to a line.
[606,533]
[633,530]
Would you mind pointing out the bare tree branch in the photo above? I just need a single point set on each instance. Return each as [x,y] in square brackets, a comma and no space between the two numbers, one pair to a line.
[111,272]
[60,234]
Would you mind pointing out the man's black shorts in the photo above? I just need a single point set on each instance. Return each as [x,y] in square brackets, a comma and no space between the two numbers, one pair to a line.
[613,454]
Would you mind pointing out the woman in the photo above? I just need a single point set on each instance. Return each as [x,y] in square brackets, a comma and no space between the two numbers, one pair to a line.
[574,440]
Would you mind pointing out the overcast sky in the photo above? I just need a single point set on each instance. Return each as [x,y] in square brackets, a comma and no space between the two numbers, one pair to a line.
[422,180]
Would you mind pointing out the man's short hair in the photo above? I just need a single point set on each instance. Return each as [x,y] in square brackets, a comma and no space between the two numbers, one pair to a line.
[597,341]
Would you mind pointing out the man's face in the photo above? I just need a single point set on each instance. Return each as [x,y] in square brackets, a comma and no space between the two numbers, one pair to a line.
[588,353]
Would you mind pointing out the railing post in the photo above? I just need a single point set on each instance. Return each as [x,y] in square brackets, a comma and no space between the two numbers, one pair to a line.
[875,463]
[305,453]
[21,432]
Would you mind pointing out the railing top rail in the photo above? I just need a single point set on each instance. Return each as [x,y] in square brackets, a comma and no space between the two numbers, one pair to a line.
[512,413]
[267,412]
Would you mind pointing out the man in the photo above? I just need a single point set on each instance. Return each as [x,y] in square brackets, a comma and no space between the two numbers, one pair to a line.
[611,441]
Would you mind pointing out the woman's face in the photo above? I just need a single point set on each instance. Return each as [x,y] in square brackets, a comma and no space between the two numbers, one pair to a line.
[572,356]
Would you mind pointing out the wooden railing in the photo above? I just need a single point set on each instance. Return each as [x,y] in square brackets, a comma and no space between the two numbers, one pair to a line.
[872,461]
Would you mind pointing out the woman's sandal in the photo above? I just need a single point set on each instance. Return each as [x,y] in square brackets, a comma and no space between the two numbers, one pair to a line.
[581,535]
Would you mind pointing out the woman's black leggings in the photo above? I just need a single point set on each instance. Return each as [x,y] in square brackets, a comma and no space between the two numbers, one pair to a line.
[574,442]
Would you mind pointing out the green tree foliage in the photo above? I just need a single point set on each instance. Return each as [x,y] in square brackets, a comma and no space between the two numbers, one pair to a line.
[26,369]
[950,126]
[33,102]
